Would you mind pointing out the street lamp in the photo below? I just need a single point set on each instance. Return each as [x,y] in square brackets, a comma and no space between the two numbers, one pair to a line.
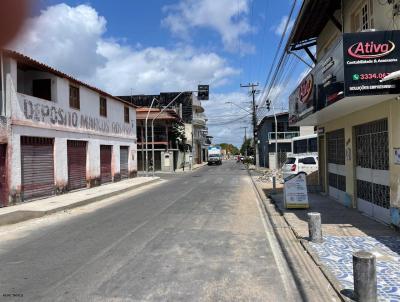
[147,117]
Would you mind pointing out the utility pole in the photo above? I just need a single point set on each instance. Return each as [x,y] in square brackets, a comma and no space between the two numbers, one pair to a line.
[253,92]
[245,138]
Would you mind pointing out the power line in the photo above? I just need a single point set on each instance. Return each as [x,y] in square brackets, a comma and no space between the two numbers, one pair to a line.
[268,80]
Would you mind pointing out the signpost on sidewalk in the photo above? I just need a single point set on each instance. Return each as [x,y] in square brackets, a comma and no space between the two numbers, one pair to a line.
[295,192]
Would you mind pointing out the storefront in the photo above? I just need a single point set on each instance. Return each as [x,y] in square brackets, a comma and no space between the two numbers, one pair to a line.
[72,137]
[358,122]
[77,154]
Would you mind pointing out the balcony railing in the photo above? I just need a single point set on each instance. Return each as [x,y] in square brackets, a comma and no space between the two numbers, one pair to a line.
[197,106]
[199,119]
[283,135]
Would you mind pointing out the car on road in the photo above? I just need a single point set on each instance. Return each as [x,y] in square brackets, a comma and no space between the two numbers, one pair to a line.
[295,164]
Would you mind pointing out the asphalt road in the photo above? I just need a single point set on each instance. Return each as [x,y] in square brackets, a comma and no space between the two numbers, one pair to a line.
[198,236]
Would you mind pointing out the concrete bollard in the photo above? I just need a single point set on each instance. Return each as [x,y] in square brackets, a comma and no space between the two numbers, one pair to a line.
[314,227]
[364,274]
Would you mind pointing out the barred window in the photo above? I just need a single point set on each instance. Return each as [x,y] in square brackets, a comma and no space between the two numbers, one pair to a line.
[336,147]
[372,145]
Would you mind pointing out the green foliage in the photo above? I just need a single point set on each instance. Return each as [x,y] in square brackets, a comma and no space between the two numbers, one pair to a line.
[246,146]
[229,148]
[178,135]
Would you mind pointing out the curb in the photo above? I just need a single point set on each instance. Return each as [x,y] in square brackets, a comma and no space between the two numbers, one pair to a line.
[20,216]
[298,258]
[325,271]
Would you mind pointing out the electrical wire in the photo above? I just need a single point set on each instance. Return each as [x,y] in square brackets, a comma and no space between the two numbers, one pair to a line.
[268,81]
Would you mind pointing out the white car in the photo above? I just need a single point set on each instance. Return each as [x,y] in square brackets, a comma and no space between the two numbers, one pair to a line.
[299,163]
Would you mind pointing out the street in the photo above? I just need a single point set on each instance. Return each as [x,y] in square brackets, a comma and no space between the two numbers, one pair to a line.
[197,236]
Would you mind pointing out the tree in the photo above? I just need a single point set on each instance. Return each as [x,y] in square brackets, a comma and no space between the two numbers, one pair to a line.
[178,135]
[246,148]
[230,148]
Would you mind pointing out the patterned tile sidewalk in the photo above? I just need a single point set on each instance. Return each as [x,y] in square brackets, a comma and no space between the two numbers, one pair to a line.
[336,254]
[346,231]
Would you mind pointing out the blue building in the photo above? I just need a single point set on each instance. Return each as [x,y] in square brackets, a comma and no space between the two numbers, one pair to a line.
[285,133]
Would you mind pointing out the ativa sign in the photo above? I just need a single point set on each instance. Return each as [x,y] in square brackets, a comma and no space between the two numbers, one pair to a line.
[369,57]
[371,50]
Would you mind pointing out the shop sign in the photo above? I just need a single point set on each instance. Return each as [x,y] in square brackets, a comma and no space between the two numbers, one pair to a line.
[321,87]
[396,156]
[56,116]
[368,58]
[301,101]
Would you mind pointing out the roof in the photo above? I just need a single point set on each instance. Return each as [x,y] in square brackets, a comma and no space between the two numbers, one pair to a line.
[33,63]
[268,117]
[141,114]
[311,20]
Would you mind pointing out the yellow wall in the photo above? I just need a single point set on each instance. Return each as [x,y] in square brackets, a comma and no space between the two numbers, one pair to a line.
[388,109]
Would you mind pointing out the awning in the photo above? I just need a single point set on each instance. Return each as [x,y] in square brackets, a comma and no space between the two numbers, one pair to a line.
[311,20]
[345,106]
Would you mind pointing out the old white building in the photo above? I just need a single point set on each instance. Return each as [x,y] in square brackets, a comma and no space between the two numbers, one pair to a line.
[59,134]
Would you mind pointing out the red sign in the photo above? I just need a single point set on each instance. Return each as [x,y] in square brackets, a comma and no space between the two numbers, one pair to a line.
[370,50]
[306,88]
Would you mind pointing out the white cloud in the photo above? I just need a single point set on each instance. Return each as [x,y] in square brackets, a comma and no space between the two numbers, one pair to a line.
[280,28]
[227,17]
[72,39]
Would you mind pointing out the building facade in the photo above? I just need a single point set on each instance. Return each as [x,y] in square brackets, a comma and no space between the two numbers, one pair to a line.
[191,112]
[344,95]
[285,133]
[59,134]
[169,148]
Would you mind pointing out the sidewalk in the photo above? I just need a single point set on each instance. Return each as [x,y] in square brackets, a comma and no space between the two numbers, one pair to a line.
[345,231]
[39,208]
[187,169]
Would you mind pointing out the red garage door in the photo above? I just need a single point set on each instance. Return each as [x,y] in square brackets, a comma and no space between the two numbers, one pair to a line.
[76,165]
[124,156]
[37,163]
[105,163]
[3,176]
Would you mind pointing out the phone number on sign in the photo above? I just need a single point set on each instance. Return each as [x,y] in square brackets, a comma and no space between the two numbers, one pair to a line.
[370,76]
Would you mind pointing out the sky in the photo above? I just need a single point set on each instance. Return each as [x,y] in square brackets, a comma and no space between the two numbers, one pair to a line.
[157,46]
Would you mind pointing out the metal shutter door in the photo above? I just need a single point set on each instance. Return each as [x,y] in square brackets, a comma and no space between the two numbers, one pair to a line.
[105,164]
[37,161]
[3,178]
[124,155]
[76,165]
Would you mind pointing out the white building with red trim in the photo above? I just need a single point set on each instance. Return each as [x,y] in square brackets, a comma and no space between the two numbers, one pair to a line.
[59,134]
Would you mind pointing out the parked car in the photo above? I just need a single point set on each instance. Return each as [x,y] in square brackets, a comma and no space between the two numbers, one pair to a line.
[299,163]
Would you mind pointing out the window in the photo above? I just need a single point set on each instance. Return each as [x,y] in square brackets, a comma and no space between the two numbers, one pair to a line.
[103,106]
[42,89]
[300,146]
[362,18]
[308,161]
[290,161]
[313,145]
[126,114]
[74,101]
[335,147]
